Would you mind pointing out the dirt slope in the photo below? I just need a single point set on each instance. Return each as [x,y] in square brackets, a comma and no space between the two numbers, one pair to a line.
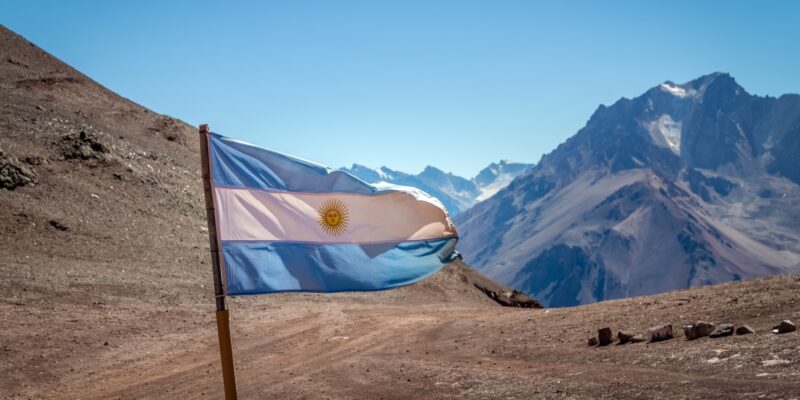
[107,294]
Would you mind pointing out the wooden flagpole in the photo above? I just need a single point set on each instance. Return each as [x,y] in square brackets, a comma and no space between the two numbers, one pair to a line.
[223,326]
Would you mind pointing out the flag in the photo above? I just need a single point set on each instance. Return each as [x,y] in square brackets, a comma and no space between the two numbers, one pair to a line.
[289,225]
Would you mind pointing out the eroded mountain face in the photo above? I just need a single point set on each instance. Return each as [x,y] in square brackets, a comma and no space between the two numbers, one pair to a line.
[685,185]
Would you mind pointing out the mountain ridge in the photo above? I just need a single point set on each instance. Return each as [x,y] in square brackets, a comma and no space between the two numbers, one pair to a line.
[455,192]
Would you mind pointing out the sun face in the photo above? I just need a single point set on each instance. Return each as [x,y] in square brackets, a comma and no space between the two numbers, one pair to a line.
[333,217]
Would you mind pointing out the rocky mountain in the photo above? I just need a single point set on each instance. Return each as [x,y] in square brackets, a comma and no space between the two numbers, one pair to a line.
[685,185]
[456,193]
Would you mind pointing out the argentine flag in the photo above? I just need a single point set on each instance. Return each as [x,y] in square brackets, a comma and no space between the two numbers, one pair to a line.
[285,224]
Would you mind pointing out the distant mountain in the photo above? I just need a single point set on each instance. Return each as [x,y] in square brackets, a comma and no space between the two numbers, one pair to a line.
[456,193]
[685,185]
[497,176]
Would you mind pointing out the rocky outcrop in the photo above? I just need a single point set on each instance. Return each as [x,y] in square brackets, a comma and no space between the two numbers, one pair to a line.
[14,173]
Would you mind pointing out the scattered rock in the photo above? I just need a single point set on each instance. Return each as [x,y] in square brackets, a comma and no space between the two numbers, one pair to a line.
[744,330]
[512,298]
[785,326]
[722,330]
[604,336]
[637,338]
[34,160]
[40,108]
[659,333]
[13,174]
[698,329]
[58,225]
[592,341]
[83,145]
[624,337]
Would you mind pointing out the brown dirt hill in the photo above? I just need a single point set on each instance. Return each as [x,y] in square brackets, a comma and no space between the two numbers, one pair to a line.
[106,290]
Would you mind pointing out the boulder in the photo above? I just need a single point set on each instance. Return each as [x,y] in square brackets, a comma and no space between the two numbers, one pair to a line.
[604,336]
[592,341]
[785,326]
[698,329]
[659,333]
[722,330]
[744,330]
[624,337]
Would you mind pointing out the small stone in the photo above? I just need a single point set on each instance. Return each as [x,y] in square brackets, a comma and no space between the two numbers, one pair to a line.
[58,225]
[592,341]
[744,330]
[604,336]
[659,333]
[624,337]
[722,330]
[105,344]
[785,326]
[637,338]
[698,329]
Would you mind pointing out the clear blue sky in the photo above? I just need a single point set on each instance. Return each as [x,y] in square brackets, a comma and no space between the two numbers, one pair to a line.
[455,84]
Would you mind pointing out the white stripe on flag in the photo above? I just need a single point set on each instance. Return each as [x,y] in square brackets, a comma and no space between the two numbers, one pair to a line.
[252,214]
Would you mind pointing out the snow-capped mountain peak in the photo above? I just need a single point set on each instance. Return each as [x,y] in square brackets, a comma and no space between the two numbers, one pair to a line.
[456,193]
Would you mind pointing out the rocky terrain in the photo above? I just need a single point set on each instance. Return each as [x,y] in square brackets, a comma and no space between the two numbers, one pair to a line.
[107,290]
[686,185]
[456,193]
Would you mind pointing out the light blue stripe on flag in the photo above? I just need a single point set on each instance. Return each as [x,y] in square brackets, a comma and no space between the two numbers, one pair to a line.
[262,267]
[239,164]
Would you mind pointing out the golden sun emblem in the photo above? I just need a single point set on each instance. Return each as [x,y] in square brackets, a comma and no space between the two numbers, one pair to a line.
[333,217]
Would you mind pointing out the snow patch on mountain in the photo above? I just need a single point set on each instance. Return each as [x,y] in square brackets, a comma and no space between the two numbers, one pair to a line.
[666,132]
[489,190]
[383,175]
[676,90]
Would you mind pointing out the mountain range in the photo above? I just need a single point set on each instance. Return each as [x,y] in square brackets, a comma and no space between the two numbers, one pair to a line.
[456,193]
[686,185]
